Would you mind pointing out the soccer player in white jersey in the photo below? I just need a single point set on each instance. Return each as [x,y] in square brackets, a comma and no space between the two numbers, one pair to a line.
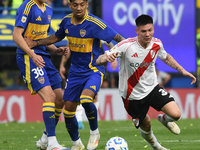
[138,85]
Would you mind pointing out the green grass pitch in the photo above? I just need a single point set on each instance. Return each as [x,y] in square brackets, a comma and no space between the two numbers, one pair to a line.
[23,136]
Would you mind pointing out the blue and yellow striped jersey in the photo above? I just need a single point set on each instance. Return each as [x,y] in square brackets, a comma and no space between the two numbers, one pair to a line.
[84,41]
[36,23]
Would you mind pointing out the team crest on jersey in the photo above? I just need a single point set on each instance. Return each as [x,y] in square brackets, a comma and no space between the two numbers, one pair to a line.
[41,80]
[82,32]
[49,17]
[24,18]
[153,52]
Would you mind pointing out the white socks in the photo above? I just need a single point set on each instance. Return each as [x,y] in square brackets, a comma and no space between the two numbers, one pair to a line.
[44,138]
[95,131]
[150,138]
[52,141]
[166,119]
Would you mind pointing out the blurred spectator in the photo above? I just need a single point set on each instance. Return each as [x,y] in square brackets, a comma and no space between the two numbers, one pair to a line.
[2,4]
[17,85]
[60,3]
[111,73]
[105,84]
[50,2]
[14,4]
[163,77]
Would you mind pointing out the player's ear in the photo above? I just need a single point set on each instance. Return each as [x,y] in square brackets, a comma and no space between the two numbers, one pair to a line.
[70,5]
[136,30]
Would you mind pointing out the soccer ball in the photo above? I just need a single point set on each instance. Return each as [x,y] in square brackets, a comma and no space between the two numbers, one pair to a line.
[116,143]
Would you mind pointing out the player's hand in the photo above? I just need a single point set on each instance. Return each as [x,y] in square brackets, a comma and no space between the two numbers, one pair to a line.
[39,61]
[62,51]
[187,74]
[30,42]
[111,57]
[62,72]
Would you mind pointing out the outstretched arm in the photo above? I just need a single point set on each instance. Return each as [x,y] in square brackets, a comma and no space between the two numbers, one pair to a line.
[46,41]
[170,61]
[103,59]
[58,51]
[118,38]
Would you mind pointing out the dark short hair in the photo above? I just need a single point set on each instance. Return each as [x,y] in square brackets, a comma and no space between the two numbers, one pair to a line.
[73,0]
[143,20]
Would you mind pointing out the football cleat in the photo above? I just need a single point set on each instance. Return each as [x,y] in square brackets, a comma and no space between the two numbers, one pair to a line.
[58,147]
[172,126]
[41,145]
[93,141]
[78,145]
[80,125]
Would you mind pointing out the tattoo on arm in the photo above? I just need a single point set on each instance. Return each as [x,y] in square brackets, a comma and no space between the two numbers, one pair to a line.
[46,41]
[118,38]
[102,60]
[170,61]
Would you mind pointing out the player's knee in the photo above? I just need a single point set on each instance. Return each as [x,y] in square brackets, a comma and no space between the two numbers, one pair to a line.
[59,103]
[176,116]
[89,107]
[51,97]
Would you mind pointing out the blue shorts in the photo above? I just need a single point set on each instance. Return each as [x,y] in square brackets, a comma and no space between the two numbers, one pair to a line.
[36,78]
[77,83]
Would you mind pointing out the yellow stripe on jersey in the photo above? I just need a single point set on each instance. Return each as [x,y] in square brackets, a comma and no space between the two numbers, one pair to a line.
[96,21]
[28,74]
[80,44]
[28,7]
[36,31]
[90,65]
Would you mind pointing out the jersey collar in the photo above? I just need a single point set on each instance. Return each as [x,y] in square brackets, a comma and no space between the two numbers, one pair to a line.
[86,15]
[39,6]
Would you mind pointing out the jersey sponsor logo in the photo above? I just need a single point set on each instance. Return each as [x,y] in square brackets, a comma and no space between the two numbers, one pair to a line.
[82,32]
[93,87]
[41,80]
[38,33]
[76,45]
[143,64]
[135,55]
[24,18]
[38,18]
[83,45]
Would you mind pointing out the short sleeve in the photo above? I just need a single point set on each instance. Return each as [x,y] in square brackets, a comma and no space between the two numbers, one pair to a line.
[104,32]
[22,18]
[60,33]
[162,54]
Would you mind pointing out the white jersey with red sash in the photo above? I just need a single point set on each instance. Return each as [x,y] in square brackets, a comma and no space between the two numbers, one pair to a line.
[137,74]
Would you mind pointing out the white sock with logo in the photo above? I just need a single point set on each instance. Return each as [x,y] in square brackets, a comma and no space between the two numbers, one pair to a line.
[150,138]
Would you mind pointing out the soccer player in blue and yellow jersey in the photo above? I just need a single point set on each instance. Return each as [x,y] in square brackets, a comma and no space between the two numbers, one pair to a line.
[33,20]
[84,32]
